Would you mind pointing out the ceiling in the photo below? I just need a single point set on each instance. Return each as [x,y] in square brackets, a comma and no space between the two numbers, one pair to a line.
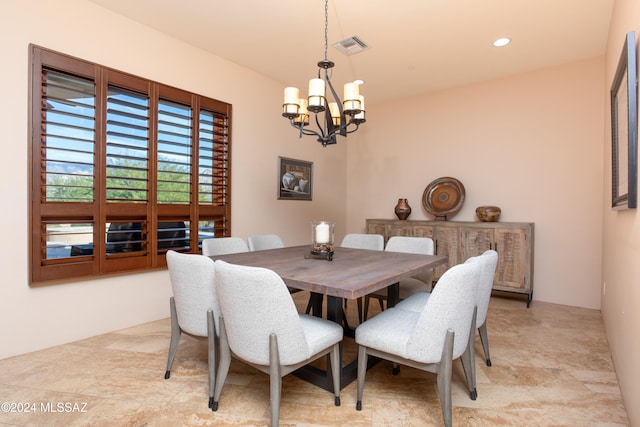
[415,46]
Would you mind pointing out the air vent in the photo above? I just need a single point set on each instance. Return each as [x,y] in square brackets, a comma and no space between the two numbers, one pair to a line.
[351,45]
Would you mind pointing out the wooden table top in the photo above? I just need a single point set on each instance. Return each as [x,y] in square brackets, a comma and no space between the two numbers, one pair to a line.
[353,273]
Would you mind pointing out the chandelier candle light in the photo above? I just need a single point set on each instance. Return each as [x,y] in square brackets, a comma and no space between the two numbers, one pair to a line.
[322,239]
[332,118]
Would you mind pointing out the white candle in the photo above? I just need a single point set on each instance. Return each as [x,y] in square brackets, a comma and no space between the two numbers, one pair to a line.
[290,105]
[316,87]
[322,233]
[291,95]
[316,95]
[303,106]
[303,114]
[360,115]
[333,107]
[335,113]
[351,91]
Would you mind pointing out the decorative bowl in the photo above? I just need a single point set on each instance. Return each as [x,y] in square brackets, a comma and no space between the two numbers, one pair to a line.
[488,213]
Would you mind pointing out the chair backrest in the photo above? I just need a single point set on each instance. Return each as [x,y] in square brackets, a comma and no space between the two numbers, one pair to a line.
[363,241]
[194,291]
[265,241]
[255,302]
[489,261]
[412,245]
[223,245]
[450,306]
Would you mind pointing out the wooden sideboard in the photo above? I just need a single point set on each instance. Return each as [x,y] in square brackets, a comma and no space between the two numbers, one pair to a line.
[459,240]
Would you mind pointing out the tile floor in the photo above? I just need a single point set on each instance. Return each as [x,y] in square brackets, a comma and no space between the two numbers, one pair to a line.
[551,367]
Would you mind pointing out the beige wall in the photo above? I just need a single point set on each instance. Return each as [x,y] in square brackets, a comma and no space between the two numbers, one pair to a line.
[621,251]
[531,144]
[535,144]
[33,318]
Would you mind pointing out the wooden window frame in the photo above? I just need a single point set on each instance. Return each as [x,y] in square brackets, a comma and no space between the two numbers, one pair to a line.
[153,216]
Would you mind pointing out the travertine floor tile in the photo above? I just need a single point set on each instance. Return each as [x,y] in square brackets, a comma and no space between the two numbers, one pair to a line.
[551,366]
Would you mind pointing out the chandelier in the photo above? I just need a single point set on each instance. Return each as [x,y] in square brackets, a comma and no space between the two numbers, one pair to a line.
[331,118]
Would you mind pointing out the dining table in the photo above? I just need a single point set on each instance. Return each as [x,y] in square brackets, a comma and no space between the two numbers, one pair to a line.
[348,275]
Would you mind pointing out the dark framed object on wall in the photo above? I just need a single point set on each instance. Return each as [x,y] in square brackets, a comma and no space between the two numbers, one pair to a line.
[295,179]
[624,128]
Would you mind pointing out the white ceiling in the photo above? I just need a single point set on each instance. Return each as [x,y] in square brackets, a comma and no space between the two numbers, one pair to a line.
[416,46]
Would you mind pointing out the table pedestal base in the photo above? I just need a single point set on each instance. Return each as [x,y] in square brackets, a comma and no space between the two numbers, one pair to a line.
[335,312]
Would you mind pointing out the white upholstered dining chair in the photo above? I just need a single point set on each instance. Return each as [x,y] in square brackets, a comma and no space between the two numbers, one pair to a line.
[265,241]
[483,296]
[429,340]
[363,241]
[194,307]
[224,245]
[373,242]
[410,285]
[261,326]
[260,242]
[484,283]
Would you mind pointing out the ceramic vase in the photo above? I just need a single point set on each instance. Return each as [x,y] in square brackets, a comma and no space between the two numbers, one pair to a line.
[402,209]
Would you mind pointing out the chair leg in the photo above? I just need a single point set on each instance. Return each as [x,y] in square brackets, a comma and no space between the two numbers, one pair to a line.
[275,380]
[468,359]
[344,312]
[366,306]
[335,371]
[484,339]
[345,322]
[175,337]
[395,370]
[212,344]
[223,365]
[362,371]
[443,379]
[309,306]
[314,305]
[468,365]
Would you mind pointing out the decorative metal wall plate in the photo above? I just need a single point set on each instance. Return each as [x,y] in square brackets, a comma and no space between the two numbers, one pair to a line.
[443,197]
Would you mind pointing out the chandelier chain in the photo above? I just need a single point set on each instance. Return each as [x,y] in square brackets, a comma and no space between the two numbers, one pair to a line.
[326,28]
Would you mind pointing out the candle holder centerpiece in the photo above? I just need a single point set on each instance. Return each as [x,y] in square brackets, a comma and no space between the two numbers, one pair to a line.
[322,239]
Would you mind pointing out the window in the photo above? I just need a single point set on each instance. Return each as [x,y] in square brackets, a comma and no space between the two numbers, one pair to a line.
[122,169]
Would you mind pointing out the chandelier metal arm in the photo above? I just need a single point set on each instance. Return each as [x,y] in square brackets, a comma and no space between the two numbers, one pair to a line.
[324,137]
[355,129]
[342,128]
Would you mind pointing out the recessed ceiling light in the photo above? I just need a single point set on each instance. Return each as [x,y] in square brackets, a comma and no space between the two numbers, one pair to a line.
[502,42]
